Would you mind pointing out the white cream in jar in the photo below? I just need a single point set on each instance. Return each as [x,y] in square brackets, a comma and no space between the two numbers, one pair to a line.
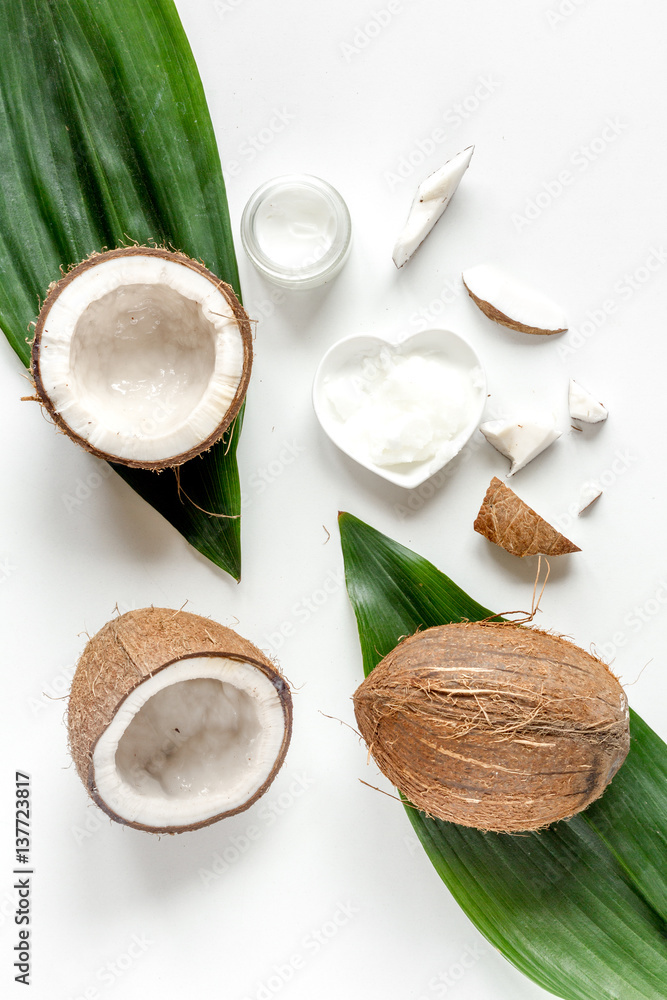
[296,230]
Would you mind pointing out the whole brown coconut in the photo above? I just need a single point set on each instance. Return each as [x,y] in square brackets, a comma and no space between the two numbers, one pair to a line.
[494,726]
[142,356]
[176,721]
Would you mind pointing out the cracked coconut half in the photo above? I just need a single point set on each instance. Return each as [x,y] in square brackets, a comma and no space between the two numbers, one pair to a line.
[142,356]
[175,721]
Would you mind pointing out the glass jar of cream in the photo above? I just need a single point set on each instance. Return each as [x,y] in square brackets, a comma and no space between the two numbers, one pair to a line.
[296,230]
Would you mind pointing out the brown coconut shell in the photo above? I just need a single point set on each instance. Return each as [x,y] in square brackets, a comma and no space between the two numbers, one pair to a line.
[507,520]
[239,312]
[130,649]
[494,726]
[493,313]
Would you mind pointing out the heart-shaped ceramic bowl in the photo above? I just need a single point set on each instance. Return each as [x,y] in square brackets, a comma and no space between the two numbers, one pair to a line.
[351,352]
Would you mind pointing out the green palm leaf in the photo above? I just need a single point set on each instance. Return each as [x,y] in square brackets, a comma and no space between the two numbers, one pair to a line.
[580,908]
[106,140]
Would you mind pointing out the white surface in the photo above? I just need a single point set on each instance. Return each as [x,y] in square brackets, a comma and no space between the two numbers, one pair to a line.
[298,87]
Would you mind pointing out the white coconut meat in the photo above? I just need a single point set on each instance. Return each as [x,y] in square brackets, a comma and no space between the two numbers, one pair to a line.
[509,301]
[199,738]
[141,357]
[432,198]
[584,406]
[589,494]
[520,442]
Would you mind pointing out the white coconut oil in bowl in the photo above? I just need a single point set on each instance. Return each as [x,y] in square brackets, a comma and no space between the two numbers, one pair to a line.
[401,409]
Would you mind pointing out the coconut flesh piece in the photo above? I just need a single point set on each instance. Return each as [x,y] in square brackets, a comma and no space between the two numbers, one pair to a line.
[585,407]
[176,721]
[142,356]
[432,198]
[198,739]
[510,302]
[589,493]
[520,442]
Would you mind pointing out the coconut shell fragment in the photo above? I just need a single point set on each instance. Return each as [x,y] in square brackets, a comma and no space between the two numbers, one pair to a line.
[509,522]
[493,725]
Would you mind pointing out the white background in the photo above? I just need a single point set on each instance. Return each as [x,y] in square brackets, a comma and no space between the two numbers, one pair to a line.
[535,91]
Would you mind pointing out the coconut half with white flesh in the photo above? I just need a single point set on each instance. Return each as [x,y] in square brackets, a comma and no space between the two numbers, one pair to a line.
[175,721]
[142,356]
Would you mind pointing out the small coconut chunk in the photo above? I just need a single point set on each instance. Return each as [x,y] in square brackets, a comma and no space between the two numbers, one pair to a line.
[510,523]
[585,407]
[432,198]
[508,301]
[520,442]
[590,492]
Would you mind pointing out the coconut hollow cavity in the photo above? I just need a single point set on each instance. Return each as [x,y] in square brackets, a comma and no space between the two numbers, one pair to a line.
[175,721]
[494,725]
[142,356]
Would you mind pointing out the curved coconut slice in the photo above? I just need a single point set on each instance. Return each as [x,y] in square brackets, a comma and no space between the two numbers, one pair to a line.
[508,301]
[432,198]
[142,356]
[176,721]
